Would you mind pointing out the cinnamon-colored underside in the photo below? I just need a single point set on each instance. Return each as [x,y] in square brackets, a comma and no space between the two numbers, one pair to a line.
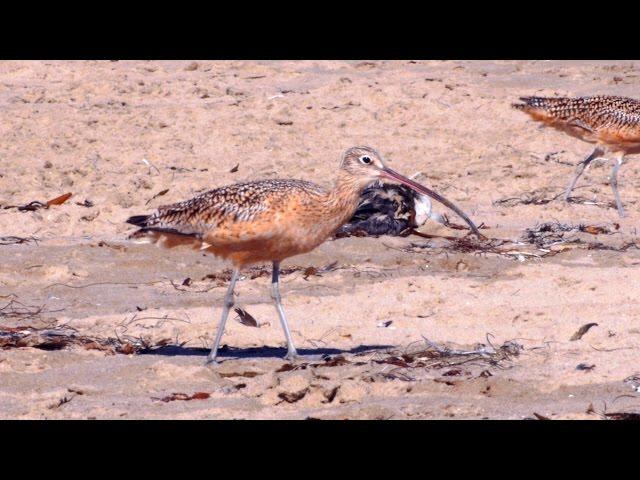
[293,218]
[613,122]
[616,138]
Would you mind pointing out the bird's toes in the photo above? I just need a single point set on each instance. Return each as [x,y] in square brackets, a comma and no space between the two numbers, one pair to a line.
[292,356]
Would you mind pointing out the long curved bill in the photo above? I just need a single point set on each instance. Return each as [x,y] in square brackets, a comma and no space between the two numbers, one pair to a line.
[393,175]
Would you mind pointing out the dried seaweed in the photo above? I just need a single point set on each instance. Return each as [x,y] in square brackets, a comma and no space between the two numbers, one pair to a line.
[16,310]
[12,240]
[542,196]
[293,397]
[550,233]
[37,205]
[223,277]
[65,399]
[429,355]
[246,374]
[87,203]
[466,244]
[581,331]
[59,337]
[183,397]
[535,197]
[623,416]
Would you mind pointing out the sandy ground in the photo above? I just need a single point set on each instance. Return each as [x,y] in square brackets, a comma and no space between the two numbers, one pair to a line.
[119,133]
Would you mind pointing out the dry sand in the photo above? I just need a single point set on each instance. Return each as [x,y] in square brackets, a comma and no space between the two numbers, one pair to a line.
[88,127]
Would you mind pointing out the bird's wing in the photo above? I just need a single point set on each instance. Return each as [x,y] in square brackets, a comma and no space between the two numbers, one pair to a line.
[226,213]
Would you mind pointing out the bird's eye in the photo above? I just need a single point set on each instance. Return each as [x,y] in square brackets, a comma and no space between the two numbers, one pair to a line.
[366,160]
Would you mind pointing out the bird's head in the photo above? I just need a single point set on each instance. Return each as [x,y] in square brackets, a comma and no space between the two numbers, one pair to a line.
[364,165]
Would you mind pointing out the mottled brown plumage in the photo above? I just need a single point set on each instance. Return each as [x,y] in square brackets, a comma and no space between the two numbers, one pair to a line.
[270,220]
[257,221]
[611,122]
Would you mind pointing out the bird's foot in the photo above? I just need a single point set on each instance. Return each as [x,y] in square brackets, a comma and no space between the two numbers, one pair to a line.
[292,355]
[211,361]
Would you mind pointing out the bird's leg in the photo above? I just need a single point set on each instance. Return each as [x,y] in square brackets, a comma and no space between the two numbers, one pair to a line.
[275,295]
[614,183]
[228,303]
[597,151]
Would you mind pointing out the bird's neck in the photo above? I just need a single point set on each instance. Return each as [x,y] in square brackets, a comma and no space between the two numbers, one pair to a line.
[342,201]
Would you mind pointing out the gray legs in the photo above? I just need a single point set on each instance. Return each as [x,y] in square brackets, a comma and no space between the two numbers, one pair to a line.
[228,303]
[597,152]
[614,183]
[275,295]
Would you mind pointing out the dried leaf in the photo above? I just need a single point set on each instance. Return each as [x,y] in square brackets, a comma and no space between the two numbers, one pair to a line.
[594,230]
[287,367]
[585,366]
[59,200]
[245,318]
[582,330]
[331,394]
[292,397]
[247,374]
[159,194]
[183,397]
[200,396]
[127,349]
[309,271]
[540,417]
[334,362]
[398,362]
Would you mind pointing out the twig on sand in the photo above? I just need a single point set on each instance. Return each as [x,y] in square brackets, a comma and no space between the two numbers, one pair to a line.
[101,283]
[16,310]
[12,240]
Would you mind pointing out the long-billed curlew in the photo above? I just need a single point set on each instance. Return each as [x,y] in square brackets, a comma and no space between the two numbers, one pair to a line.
[270,220]
[612,123]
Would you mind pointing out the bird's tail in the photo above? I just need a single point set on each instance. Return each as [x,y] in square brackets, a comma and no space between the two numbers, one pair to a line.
[138,220]
[540,103]
[547,109]
[162,237]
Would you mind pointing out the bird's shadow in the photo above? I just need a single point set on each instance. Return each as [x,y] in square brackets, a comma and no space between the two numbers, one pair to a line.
[262,352]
